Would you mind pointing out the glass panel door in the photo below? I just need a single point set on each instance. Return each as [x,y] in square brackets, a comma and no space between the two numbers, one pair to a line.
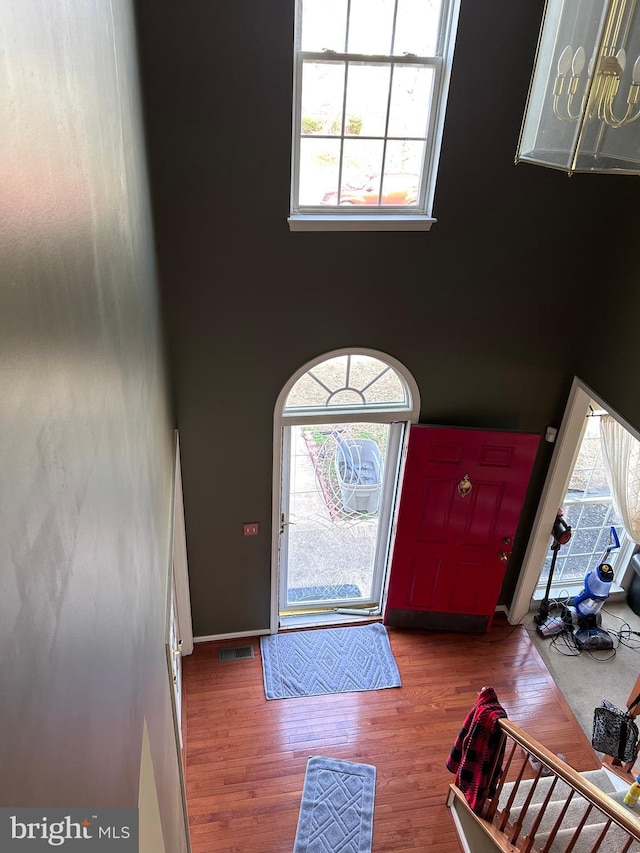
[336,513]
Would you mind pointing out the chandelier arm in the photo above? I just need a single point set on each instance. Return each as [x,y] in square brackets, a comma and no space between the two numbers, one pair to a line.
[596,96]
[556,110]
[610,117]
[613,121]
[606,97]
[577,115]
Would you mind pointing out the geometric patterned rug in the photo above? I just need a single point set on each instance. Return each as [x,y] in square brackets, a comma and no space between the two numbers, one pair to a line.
[336,813]
[328,660]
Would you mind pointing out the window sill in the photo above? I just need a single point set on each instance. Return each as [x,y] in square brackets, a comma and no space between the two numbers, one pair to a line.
[322,620]
[359,222]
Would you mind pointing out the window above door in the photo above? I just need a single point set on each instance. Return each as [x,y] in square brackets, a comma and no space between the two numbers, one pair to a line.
[348,382]
[370,85]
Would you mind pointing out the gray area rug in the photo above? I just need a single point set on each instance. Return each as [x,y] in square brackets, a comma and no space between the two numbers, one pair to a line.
[336,813]
[328,660]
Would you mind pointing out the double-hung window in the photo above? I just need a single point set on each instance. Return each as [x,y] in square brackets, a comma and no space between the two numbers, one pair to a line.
[370,84]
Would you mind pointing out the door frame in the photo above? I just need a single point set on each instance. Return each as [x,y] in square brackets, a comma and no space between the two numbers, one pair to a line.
[333,415]
[178,621]
[180,568]
[562,462]
[396,444]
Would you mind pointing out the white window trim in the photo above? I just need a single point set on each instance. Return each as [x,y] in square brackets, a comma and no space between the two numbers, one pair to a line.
[408,413]
[408,219]
[350,222]
[619,559]
[562,462]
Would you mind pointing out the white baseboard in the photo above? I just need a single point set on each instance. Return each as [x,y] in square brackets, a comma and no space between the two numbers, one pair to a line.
[213,637]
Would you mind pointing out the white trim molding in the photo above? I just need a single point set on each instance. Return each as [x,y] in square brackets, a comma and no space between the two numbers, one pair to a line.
[325,222]
[180,565]
[562,462]
[232,636]
[409,412]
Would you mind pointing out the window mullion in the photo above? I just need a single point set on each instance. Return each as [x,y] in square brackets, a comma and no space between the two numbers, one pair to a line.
[386,133]
[348,24]
[590,476]
[393,27]
[375,379]
[344,116]
[369,58]
[594,499]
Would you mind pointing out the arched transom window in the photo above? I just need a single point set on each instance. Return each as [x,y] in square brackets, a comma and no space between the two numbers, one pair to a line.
[350,381]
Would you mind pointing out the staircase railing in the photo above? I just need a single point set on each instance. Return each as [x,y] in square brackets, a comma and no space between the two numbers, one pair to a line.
[505,813]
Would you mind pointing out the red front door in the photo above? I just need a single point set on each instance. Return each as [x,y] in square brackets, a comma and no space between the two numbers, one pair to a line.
[461,500]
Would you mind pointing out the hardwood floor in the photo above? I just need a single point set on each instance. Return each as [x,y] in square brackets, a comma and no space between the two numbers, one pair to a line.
[246,756]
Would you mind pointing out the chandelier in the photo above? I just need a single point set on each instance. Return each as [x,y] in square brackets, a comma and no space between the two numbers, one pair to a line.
[584,95]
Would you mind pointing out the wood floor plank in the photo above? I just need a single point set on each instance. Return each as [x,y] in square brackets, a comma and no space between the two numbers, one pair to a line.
[246,757]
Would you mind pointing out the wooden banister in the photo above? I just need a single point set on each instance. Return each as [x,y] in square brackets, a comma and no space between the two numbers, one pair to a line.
[591,793]
[513,809]
[632,696]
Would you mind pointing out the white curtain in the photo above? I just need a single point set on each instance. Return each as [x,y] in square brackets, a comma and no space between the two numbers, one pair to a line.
[621,456]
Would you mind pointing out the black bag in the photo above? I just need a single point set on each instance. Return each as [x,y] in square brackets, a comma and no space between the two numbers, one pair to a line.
[614,731]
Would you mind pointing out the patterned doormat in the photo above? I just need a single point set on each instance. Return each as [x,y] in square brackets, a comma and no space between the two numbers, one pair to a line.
[332,592]
[328,660]
[336,812]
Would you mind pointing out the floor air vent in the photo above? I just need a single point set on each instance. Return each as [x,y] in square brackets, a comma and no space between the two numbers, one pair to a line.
[235,653]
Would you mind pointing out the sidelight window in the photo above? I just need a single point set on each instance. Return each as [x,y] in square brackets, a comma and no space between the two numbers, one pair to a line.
[589,510]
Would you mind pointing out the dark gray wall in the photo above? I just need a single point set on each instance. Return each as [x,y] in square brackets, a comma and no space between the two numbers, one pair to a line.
[608,358]
[487,310]
[87,431]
